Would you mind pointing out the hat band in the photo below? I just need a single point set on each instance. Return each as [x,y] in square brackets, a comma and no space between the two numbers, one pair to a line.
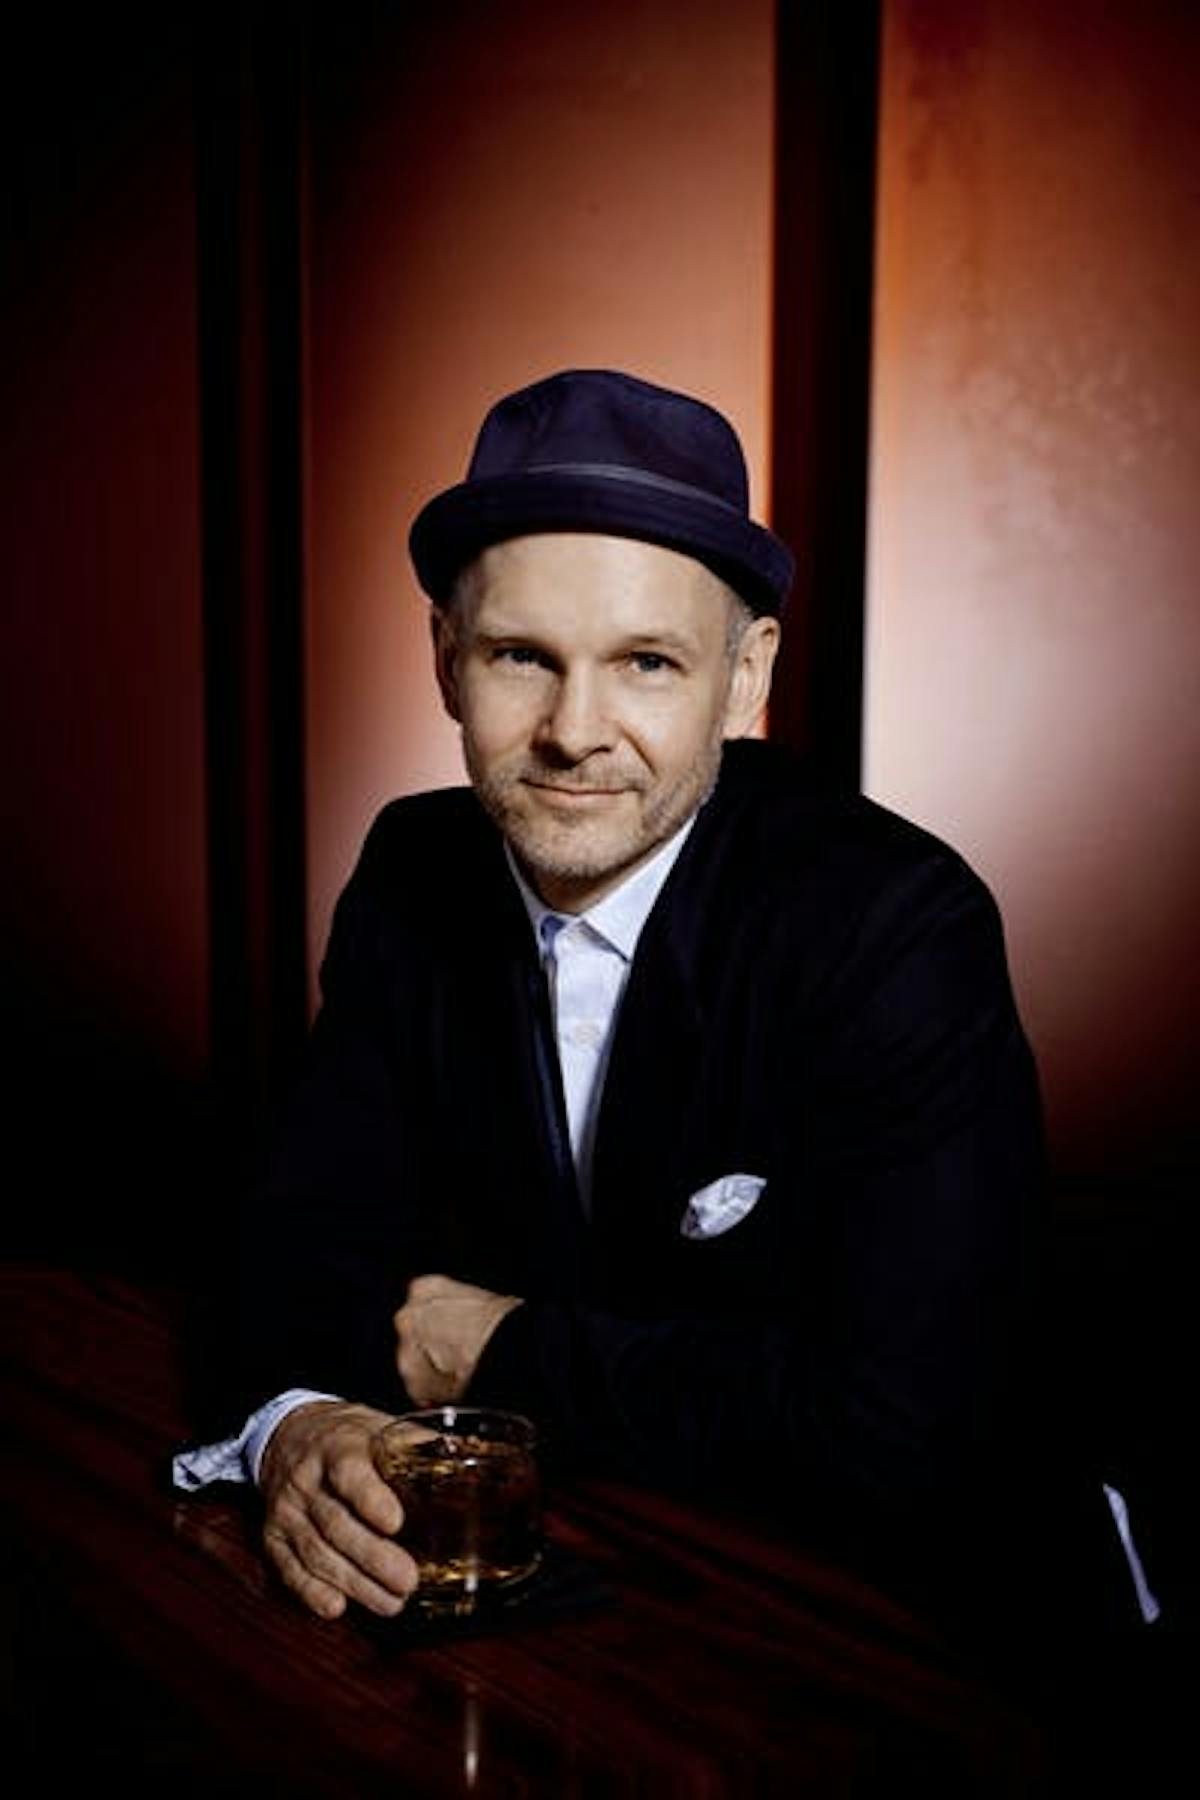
[623,473]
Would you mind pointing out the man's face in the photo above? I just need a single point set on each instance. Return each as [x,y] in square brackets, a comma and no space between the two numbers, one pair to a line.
[595,679]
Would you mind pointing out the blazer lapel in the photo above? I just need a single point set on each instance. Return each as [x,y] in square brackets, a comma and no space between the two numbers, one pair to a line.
[674,1107]
[651,1132]
[521,1213]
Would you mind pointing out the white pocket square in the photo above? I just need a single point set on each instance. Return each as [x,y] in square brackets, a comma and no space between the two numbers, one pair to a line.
[722,1204]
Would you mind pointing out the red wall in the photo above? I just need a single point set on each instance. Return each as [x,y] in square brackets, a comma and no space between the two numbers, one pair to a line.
[1033,651]
[491,193]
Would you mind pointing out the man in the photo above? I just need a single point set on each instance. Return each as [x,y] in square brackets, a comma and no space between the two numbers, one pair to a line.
[655,1092]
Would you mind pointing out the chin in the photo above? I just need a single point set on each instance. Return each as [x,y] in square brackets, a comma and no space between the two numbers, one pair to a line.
[570,862]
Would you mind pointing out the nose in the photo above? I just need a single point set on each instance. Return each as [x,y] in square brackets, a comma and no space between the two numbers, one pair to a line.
[576,722]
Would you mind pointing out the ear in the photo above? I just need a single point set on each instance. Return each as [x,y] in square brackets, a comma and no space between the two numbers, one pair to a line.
[445,659]
[750,678]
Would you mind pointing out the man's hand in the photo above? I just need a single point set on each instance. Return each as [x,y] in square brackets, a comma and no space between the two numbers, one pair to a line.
[440,1333]
[330,1515]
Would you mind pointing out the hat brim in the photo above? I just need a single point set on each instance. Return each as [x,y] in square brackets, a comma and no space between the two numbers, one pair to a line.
[458,524]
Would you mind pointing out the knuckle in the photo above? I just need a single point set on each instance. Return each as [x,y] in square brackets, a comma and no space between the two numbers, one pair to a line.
[276,1547]
[347,1477]
[322,1560]
[286,1511]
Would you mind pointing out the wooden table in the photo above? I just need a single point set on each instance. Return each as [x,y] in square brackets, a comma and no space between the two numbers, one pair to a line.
[722,1664]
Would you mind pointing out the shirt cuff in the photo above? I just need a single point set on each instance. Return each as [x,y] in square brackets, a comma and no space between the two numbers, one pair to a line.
[1148,1604]
[239,1458]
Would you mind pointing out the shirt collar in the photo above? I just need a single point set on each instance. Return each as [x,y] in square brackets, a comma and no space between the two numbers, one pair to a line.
[620,916]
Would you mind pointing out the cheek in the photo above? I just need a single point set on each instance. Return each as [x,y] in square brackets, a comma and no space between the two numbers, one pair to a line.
[495,722]
[675,736]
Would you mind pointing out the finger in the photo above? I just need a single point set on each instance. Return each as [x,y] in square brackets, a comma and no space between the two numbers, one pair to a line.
[412,1361]
[406,1323]
[320,1597]
[325,1582]
[356,1480]
[430,1287]
[314,1568]
[385,1563]
[407,1354]
[414,1373]
[423,1383]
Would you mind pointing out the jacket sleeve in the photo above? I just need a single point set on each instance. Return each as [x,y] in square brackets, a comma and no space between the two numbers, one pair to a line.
[338,1220]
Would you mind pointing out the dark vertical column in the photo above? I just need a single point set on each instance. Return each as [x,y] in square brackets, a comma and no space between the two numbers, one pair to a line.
[103,954]
[249,222]
[826,109]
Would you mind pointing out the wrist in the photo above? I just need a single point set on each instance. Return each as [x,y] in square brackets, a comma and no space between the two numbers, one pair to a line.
[283,1422]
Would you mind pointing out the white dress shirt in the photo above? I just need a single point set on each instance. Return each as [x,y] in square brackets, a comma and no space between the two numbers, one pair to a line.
[587,957]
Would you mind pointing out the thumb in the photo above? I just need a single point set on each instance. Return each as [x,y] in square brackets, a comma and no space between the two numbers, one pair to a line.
[428,1287]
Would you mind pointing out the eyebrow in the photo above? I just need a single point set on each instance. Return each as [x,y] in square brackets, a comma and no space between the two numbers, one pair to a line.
[664,642]
[675,642]
[504,634]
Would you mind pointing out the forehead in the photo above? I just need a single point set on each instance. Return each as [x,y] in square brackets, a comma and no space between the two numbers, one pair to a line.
[590,578]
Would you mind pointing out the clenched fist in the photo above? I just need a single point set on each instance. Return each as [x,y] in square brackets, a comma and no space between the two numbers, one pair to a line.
[441,1331]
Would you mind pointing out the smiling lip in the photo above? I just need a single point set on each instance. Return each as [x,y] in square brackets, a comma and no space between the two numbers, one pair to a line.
[574,793]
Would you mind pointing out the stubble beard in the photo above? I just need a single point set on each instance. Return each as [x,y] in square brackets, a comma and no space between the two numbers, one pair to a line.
[561,851]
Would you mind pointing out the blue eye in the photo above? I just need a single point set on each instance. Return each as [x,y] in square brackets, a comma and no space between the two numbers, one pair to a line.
[649,662]
[521,654]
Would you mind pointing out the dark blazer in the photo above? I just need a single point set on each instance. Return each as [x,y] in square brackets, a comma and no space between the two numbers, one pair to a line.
[820,998]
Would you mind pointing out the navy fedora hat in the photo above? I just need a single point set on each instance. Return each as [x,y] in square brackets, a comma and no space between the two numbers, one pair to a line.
[597,450]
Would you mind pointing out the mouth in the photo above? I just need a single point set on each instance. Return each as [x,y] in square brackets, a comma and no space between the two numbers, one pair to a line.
[557,794]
